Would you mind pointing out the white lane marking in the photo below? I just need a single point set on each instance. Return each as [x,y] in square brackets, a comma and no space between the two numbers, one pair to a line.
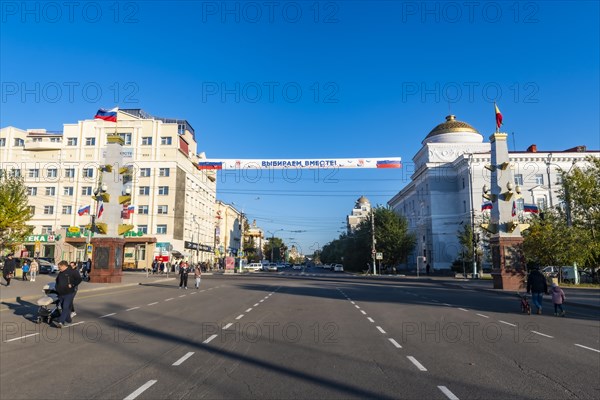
[463,309]
[481,315]
[210,338]
[507,323]
[352,302]
[380,329]
[21,337]
[543,334]
[183,295]
[240,316]
[585,347]
[261,300]
[76,323]
[448,393]
[182,359]
[193,292]
[151,304]
[132,308]
[256,305]
[248,310]
[108,315]
[363,311]
[395,343]
[417,364]
[370,319]
[141,390]
[357,306]
[227,326]
[169,299]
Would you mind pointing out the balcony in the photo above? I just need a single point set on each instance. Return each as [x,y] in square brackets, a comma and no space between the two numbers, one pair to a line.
[40,145]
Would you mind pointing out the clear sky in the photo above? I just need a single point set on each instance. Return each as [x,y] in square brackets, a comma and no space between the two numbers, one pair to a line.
[309,79]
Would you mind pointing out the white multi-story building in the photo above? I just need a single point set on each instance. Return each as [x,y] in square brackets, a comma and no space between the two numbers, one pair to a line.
[445,191]
[228,235]
[172,206]
[360,212]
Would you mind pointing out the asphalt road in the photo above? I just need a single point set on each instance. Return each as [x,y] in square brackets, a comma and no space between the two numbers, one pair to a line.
[292,335]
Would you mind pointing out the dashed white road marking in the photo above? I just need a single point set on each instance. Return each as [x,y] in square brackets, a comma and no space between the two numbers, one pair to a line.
[141,390]
[183,295]
[463,309]
[363,311]
[228,326]
[260,301]
[76,323]
[507,323]
[357,306]
[542,334]
[193,292]
[151,304]
[248,310]
[370,319]
[21,337]
[169,299]
[380,329]
[395,343]
[182,359]
[585,347]
[240,316]
[416,363]
[352,302]
[448,393]
[132,308]
[256,305]
[481,315]
[108,315]
[210,338]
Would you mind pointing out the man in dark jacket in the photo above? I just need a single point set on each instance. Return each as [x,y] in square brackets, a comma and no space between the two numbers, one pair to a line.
[66,282]
[8,271]
[537,286]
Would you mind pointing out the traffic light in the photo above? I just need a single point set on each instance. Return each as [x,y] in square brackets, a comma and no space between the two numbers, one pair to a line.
[123,228]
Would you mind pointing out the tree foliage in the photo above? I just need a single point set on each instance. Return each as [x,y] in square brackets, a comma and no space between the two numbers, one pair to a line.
[274,249]
[14,211]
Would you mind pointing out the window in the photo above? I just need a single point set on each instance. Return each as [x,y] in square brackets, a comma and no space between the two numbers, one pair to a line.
[539,179]
[163,209]
[67,210]
[46,229]
[55,139]
[88,172]
[161,229]
[86,191]
[142,209]
[147,141]
[144,190]
[52,173]
[166,140]
[15,173]
[2,142]
[520,204]
[163,190]
[48,210]
[34,173]
[126,138]
[72,141]
[90,141]
[32,191]
[143,229]
[144,172]
[36,139]
[519,179]
[19,142]
[164,172]
[541,203]
[50,191]
[68,190]
[559,179]
[70,173]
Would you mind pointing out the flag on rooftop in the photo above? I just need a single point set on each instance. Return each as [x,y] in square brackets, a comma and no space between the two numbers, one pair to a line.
[107,115]
[498,117]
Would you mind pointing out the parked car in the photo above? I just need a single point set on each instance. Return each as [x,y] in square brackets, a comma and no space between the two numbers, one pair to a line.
[272,267]
[297,266]
[253,266]
[338,268]
[47,267]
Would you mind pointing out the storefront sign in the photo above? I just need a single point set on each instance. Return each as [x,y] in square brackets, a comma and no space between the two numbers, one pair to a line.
[40,238]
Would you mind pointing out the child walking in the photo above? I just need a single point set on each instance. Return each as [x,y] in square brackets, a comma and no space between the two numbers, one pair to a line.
[558,298]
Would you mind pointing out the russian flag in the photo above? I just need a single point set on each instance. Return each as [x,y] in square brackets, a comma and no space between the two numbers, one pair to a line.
[107,115]
[100,209]
[531,208]
[388,164]
[486,206]
[130,210]
[83,210]
[210,165]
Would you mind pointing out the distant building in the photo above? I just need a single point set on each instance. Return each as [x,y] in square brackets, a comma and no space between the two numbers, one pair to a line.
[360,212]
[445,191]
[172,206]
[228,235]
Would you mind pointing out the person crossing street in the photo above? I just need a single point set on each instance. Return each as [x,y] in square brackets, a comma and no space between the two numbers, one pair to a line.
[184,270]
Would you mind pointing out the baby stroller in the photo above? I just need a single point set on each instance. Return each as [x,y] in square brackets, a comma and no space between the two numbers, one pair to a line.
[49,308]
[525,307]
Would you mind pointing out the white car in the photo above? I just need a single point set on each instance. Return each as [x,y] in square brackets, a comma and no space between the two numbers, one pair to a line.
[338,268]
[297,266]
[253,266]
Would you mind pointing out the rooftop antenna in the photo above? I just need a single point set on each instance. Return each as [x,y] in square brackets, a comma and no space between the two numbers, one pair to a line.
[513,137]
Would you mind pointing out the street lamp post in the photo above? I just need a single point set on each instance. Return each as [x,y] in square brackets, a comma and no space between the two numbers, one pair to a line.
[473,236]
[548,162]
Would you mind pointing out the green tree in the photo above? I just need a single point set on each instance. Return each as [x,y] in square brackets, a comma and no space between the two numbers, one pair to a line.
[14,212]
[274,249]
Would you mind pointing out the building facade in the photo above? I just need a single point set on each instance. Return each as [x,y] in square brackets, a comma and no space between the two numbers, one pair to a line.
[172,202]
[360,212]
[228,232]
[445,191]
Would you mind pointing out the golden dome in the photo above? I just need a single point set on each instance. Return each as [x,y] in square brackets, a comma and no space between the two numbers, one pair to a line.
[363,200]
[451,125]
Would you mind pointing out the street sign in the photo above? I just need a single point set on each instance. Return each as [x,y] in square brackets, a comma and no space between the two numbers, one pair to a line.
[379,256]
[89,249]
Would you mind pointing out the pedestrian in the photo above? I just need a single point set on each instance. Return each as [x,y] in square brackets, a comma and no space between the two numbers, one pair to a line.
[183,275]
[537,286]
[34,267]
[66,282]
[558,298]
[25,270]
[427,268]
[198,275]
[73,267]
[8,271]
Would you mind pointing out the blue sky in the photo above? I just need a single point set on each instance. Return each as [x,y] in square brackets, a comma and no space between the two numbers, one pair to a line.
[309,79]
